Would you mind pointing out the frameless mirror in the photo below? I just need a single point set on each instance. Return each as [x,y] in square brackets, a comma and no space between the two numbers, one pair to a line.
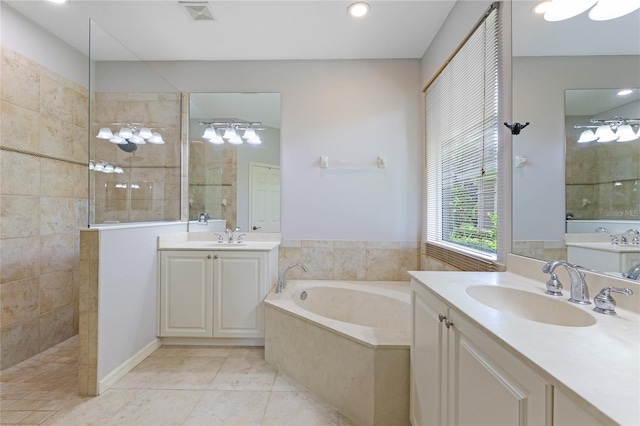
[549,60]
[234,159]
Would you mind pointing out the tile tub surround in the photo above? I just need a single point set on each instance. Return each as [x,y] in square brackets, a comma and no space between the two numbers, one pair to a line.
[43,190]
[350,260]
[362,371]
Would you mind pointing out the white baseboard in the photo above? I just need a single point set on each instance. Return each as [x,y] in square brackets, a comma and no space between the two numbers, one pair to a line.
[212,341]
[128,365]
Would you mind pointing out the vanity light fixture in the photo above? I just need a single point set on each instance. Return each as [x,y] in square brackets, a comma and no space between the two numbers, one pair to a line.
[232,130]
[358,10]
[601,10]
[104,167]
[131,133]
[615,129]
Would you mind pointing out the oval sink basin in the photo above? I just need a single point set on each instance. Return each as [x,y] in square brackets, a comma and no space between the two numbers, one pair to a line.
[531,306]
[224,245]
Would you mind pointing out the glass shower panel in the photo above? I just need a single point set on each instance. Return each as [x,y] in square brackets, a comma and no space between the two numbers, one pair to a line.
[134,137]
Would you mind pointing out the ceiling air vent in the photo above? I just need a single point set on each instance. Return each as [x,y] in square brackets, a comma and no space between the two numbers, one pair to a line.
[198,10]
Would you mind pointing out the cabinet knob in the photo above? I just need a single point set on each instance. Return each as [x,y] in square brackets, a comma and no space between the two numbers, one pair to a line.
[208,256]
[215,257]
[441,317]
[448,324]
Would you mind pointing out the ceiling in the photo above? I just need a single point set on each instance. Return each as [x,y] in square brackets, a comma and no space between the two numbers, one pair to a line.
[243,30]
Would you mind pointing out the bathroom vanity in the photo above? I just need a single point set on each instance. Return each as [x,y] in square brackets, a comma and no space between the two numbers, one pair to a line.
[530,358]
[212,292]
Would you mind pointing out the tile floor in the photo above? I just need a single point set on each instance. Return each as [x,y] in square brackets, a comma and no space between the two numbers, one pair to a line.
[176,385]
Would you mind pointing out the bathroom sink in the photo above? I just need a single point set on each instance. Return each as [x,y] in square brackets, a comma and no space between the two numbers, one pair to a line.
[224,245]
[531,306]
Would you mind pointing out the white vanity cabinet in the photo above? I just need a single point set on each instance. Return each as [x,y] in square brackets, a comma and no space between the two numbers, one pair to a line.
[461,377]
[214,293]
[186,294]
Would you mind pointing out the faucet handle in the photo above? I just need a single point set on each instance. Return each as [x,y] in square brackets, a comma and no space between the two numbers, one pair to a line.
[220,239]
[605,304]
[554,286]
[240,238]
[614,239]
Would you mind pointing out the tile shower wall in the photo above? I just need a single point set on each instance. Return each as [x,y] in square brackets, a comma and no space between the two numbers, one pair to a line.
[350,260]
[212,178]
[149,188]
[43,193]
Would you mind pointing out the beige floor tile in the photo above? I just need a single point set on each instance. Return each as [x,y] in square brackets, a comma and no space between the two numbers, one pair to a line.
[345,421]
[244,408]
[247,351]
[298,408]
[13,404]
[193,351]
[94,410]
[172,373]
[158,407]
[12,417]
[36,417]
[251,373]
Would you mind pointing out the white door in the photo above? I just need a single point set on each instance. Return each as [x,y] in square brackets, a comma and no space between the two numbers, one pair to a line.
[264,199]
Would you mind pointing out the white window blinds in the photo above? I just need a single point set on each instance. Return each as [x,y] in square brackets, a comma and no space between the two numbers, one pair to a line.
[462,155]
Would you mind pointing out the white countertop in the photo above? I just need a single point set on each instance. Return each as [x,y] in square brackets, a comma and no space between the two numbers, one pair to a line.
[209,241]
[599,363]
[214,245]
[614,248]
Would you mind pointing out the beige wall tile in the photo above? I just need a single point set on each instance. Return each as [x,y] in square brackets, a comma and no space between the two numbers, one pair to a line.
[20,216]
[56,137]
[20,174]
[81,110]
[19,300]
[56,326]
[19,342]
[56,253]
[20,85]
[349,264]
[57,215]
[56,179]
[20,258]
[20,127]
[80,145]
[56,290]
[56,100]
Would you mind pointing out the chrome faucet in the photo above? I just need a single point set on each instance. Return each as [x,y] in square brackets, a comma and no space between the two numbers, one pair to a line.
[633,273]
[229,233]
[602,229]
[605,304]
[281,281]
[636,238]
[579,290]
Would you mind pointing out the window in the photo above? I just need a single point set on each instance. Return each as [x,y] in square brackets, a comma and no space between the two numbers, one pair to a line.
[462,153]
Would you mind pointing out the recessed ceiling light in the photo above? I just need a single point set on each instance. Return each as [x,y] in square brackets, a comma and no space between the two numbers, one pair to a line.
[625,92]
[541,7]
[358,10]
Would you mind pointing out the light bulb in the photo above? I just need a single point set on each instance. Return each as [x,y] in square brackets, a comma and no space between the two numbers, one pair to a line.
[249,133]
[145,133]
[209,133]
[358,10]
[626,134]
[156,139]
[105,133]
[237,140]
[125,133]
[118,170]
[559,10]
[99,167]
[230,133]
[605,134]
[108,168]
[118,140]
[254,141]
[216,139]
[137,140]
[587,136]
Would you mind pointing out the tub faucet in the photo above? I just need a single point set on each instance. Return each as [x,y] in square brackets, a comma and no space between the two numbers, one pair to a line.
[579,290]
[636,238]
[633,273]
[281,281]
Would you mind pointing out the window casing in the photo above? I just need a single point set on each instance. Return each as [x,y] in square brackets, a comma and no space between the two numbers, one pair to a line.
[462,173]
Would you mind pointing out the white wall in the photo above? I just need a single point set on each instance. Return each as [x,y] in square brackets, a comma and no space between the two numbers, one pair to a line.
[352,110]
[538,97]
[34,42]
[128,290]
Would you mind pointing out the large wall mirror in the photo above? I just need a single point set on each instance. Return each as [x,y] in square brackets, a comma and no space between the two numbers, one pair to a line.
[556,68]
[234,159]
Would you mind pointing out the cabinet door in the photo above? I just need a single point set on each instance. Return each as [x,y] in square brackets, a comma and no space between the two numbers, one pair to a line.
[186,293]
[428,359]
[239,288]
[489,386]
[567,412]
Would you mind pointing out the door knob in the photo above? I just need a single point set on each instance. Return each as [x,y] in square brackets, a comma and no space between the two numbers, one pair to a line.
[255,228]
